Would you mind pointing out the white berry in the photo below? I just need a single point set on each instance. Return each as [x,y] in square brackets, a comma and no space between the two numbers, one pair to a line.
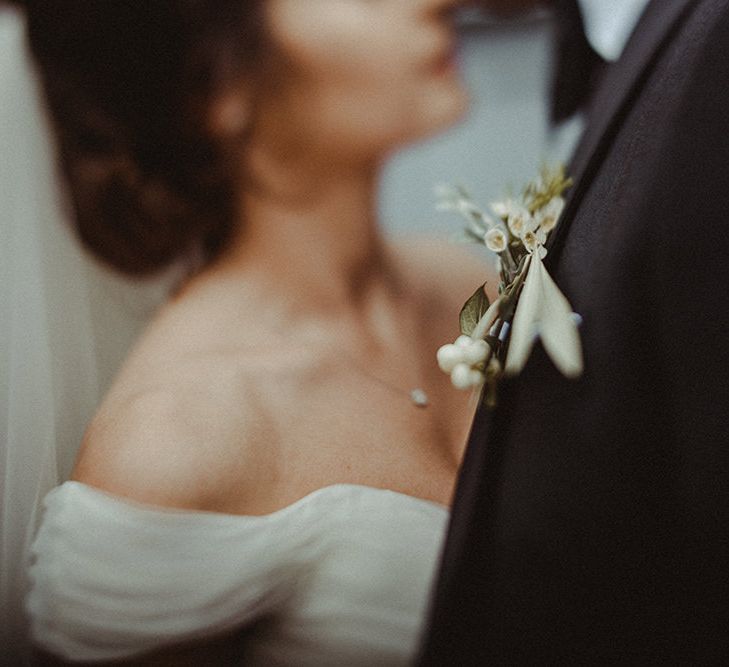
[476,352]
[463,341]
[448,356]
[464,377]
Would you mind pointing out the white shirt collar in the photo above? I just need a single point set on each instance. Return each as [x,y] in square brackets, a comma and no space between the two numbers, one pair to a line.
[609,24]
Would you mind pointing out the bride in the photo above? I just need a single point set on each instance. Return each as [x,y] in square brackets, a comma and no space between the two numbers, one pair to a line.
[268,478]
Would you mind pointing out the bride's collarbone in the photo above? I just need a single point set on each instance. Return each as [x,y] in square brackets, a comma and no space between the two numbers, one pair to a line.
[203,430]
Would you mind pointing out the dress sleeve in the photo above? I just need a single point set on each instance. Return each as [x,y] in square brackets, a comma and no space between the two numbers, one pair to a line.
[111,579]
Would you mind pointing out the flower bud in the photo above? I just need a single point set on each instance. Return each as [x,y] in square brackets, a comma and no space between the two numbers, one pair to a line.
[549,215]
[496,240]
[502,208]
[519,221]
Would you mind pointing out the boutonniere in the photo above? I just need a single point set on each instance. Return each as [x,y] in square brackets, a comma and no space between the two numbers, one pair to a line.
[497,338]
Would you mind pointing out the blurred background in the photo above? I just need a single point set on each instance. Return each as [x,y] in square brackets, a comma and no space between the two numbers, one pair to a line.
[507,64]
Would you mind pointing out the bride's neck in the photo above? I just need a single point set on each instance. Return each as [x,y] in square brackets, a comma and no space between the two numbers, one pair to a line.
[314,237]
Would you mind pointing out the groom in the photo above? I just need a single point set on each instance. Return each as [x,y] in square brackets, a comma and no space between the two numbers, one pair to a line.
[591,521]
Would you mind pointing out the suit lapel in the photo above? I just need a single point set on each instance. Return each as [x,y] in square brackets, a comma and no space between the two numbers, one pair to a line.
[612,101]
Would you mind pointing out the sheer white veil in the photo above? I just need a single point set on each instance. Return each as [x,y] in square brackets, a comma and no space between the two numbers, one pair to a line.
[65,324]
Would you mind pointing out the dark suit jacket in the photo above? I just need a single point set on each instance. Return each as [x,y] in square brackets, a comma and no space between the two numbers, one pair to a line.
[591,518]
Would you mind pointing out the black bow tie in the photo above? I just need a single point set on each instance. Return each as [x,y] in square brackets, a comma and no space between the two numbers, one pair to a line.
[577,66]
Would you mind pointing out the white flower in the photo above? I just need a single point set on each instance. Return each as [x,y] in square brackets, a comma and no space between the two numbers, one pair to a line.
[514,214]
[519,221]
[496,240]
[502,209]
[533,236]
[548,215]
[534,240]
[517,236]
[465,377]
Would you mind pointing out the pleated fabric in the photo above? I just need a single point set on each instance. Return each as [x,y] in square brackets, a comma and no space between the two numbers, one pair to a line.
[341,576]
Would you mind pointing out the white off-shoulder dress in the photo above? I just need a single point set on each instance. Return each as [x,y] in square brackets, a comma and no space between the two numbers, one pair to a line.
[340,577]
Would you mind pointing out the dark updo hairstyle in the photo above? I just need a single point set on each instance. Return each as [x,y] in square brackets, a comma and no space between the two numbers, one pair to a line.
[129,85]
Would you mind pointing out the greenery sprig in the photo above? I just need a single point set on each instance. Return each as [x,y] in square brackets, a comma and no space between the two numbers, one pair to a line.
[516,233]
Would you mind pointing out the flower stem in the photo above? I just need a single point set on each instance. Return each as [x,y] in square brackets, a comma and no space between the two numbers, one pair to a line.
[486,322]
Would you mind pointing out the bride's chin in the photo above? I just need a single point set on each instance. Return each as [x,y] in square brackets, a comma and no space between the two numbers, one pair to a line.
[443,111]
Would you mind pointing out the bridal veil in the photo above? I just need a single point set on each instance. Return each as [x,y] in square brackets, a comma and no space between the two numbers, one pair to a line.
[65,324]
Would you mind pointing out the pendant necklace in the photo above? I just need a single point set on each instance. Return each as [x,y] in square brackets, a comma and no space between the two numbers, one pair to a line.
[417,395]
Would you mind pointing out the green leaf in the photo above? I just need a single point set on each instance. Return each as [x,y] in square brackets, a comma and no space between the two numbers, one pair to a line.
[473,310]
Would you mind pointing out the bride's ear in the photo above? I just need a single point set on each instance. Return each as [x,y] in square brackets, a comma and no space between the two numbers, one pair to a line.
[230,112]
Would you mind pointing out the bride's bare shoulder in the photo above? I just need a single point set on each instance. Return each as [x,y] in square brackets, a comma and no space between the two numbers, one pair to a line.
[448,271]
[178,427]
